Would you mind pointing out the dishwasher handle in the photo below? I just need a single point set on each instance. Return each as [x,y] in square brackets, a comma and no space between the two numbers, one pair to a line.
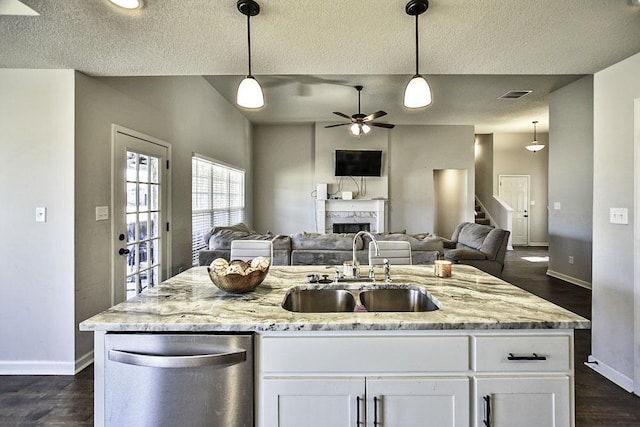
[188,361]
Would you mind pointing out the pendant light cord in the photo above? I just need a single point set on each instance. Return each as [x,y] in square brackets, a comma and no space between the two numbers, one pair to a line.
[417,43]
[249,40]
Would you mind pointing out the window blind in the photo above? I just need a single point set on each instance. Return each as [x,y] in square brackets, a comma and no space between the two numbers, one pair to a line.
[217,199]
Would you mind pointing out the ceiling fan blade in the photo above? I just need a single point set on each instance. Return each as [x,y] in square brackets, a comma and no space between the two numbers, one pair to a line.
[341,124]
[337,113]
[374,116]
[382,125]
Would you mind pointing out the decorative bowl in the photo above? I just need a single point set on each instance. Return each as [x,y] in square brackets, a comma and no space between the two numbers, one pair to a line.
[237,276]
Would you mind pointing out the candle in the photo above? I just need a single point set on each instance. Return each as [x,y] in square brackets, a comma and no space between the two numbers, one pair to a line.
[442,268]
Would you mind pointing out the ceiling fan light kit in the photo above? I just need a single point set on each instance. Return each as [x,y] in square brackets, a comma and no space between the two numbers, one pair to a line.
[359,124]
[249,93]
[535,146]
[417,94]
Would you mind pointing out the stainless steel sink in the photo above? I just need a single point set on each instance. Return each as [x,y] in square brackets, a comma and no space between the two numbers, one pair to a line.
[319,301]
[399,299]
[371,297]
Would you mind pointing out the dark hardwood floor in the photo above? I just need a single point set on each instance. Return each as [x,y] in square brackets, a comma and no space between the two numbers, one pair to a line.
[68,400]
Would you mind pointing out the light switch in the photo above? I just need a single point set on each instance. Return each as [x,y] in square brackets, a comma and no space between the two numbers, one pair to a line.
[102,213]
[556,206]
[618,215]
[41,214]
[533,203]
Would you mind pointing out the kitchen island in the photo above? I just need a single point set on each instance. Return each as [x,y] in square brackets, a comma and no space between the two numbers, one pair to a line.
[491,352]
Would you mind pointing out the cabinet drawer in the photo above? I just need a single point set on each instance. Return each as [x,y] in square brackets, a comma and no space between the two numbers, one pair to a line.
[364,354]
[527,353]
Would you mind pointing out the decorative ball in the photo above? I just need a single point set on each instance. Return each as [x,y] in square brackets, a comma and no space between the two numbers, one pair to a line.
[260,263]
[219,264]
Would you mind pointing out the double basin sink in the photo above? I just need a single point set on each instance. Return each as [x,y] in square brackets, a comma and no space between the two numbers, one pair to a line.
[371,298]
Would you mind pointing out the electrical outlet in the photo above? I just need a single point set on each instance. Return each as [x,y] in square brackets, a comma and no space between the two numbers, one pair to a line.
[570,260]
[556,206]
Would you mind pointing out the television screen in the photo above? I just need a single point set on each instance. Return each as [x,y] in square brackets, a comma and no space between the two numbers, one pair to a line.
[358,163]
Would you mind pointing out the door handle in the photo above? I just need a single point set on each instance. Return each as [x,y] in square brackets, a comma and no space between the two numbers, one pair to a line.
[123,251]
[190,361]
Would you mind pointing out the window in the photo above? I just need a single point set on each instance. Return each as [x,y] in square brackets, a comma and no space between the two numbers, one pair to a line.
[217,199]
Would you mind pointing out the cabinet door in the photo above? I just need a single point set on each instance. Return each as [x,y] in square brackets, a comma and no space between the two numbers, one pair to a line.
[313,402]
[401,402]
[523,402]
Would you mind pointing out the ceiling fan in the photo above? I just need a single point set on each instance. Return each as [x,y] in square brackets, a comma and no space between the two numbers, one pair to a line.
[359,123]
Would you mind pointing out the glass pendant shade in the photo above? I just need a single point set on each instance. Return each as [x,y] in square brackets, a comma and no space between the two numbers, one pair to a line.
[127,4]
[250,93]
[417,93]
[535,146]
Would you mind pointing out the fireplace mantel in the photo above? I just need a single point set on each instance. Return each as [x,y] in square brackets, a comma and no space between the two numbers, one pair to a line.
[357,210]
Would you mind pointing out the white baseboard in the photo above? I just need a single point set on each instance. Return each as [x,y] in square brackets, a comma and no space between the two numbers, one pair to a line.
[569,279]
[84,361]
[36,367]
[609,373]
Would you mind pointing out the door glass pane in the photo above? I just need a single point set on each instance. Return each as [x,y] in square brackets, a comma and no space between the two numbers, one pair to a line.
[132,201]
[131,286]
[154,171]
[132,166]
[143,219]
[154,224]
[132,265]
[131,228]
[143,197]
[143,171]
[154,196]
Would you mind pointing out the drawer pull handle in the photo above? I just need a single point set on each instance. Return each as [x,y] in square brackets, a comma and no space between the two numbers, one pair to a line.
[375,411]
[532,357]
[358,411]
[487,411]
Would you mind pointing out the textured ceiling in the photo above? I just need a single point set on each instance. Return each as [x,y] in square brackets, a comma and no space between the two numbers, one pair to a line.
[299,45]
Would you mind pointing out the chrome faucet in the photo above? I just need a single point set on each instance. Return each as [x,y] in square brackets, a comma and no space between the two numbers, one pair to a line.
[375,243]
[387,271]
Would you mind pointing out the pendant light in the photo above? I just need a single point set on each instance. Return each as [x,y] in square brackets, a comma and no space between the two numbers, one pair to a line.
[417,93]
[249,92]
[535,145]
[127,4]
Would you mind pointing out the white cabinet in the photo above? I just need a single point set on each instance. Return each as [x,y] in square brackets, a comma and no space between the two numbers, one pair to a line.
[390,402]
[441,378]
[312,402]
[523,402]
[400,402]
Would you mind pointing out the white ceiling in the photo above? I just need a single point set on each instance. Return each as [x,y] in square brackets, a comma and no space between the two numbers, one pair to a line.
[306,53]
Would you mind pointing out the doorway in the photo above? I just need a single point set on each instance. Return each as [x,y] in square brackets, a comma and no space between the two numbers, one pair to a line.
[514,190]
[141,207]
[450,194]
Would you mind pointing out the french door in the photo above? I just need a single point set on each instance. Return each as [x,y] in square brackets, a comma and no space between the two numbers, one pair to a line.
[141,213]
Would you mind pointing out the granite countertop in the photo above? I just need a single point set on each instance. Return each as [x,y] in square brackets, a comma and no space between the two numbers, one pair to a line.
[470,299]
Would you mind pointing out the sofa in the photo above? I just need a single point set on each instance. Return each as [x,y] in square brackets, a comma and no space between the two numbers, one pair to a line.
[306,248]
[481,246]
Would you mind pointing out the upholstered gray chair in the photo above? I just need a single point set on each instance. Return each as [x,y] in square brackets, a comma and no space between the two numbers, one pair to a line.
[481,246]
[396,251]
[248,249]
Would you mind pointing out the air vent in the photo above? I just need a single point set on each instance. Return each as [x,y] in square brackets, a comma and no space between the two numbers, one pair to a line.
[515,94]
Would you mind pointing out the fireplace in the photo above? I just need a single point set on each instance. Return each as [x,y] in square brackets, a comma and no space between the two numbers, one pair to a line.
[351,227]
[351,213]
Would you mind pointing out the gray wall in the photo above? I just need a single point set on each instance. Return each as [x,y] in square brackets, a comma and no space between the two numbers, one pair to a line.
[37,274]
[511,158]
[571,181]
[284,178]
[291,160]
[415,152]
[183,111]
[484,169]
[614,329]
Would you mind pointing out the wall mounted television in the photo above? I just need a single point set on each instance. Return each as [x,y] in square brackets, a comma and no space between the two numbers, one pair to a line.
[358,163]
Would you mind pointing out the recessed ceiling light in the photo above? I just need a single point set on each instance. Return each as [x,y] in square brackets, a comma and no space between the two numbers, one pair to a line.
[127,4]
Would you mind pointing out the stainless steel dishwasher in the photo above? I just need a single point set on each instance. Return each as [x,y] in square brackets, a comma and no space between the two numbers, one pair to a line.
[178,380]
